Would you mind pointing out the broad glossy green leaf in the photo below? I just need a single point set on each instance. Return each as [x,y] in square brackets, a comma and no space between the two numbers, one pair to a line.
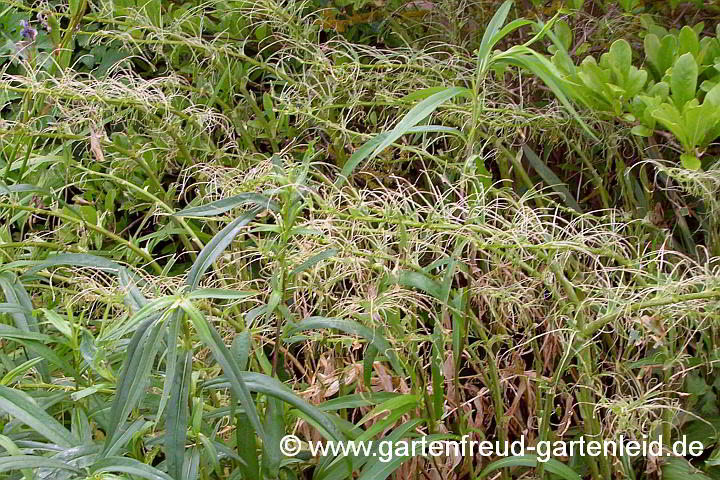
[683,80]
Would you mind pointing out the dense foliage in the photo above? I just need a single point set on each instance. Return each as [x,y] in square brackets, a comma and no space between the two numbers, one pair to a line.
[229,220]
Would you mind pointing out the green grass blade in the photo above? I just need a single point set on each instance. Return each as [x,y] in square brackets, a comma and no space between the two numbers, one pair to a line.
[314,260]
[220,294]
[490,37]
[376,469]
[76,260]
[135,375]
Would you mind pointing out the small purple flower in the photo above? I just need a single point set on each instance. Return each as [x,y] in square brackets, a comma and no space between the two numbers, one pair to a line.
[28,32]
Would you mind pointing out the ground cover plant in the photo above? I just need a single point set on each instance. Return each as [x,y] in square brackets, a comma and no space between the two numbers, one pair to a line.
[227,221]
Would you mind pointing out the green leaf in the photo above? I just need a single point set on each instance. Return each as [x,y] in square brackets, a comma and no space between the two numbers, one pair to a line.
[683,80]
[219,293]
[217,246]
[219,207]
[421,282]
[550,178]
[416,114]
[135,375]
[209,336]
[553,466]
[130,466]
[18,462]
[620,58]
[641,131]
[314,260]
[490,37]
[176,419]
[691,162]
[21,406]
[677,468]
[246,448]
[377,469]
[76,260]
[275,430]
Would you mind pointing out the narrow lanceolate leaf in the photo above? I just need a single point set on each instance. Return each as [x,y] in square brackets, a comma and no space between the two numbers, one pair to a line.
[13,308]
[219,293]
[353,328]
[490,36]
[258,382]
[553,466]
[246,448]
[130,466]
[314,260]
[171,357]
[16,294]
[76,260]
[550,178]
[176,422]
[421,282]
[135,375]
[226,204]
[216,246]
[21,188]
[416,114]
[22,407]
[209,336]
[19,462]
